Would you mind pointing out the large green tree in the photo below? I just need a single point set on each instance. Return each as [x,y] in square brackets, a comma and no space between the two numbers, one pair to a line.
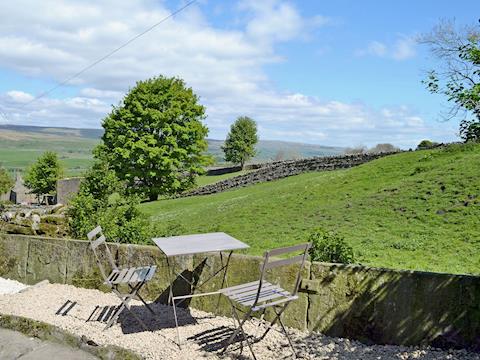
[458,74]
[240,143]
[155,140]
[41,178]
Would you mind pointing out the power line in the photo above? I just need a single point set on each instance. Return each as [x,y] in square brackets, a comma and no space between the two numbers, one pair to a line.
[96,62]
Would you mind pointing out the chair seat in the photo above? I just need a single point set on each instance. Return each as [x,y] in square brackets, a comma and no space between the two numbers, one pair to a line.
[131,275]
[245,294]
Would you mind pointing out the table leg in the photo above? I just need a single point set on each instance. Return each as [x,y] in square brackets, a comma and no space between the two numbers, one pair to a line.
[224,279]
[171,273]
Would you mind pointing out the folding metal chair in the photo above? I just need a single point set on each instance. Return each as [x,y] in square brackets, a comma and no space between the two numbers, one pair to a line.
[260,295]
[134,277]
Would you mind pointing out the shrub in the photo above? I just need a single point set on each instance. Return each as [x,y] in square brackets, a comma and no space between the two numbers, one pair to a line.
[470,130]
[426,144]
[383,148]
[329,247]
[102,200]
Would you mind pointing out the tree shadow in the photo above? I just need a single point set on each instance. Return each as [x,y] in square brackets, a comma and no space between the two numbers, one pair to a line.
[379,306]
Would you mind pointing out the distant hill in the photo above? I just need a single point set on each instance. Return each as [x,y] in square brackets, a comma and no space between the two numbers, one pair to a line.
[20,145]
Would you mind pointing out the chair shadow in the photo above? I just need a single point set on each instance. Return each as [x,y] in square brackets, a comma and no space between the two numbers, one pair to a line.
[163,317]
[214,340]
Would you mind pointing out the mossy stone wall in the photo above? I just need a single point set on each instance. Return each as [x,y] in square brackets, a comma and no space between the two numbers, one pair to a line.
[372,305]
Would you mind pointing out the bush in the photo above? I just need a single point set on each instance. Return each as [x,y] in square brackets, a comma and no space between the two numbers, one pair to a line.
[329,247]
[102,200]
[383,148]
[427,144]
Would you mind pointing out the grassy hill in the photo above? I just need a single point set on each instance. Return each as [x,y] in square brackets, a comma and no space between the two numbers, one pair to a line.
[416,210]
[21,145]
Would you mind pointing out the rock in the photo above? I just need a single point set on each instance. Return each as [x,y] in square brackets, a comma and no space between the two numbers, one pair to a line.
[10,228]
[55,209]
[35,221]
[49,230]
[8,216]
[57,219]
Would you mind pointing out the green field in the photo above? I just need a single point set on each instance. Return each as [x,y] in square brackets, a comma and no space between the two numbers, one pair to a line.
[415,210]
[21,145]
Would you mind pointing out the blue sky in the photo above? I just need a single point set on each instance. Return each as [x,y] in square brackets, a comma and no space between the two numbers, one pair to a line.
[337,73]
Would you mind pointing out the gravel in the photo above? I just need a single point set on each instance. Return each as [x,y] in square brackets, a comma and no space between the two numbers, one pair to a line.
[202,333]
[8,286]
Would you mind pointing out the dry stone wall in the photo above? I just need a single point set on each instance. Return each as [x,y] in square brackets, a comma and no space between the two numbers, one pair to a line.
[372,305]
[282,169]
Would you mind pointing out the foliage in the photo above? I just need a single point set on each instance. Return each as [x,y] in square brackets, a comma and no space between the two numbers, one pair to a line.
[6,181]
[102,200]
[426,144]
[42,176]
[330,247]
[155,140]
[356,150]
[375,207]
[383,148]
[470,130]
[458,76]
[240,143]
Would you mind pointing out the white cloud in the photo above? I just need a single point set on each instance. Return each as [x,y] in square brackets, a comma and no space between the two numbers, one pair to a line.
[402,49]
[19,96]
[225,67]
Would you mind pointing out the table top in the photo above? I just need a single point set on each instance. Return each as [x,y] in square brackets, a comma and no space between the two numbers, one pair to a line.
[198,243]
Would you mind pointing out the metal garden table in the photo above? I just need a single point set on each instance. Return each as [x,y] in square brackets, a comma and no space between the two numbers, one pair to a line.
[196,244]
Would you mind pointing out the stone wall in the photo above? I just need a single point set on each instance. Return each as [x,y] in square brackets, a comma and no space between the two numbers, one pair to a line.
[371,305]
[280,169]
[66,188]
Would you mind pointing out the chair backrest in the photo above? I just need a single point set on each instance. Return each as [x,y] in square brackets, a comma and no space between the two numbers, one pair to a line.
[269,263]
[97,239]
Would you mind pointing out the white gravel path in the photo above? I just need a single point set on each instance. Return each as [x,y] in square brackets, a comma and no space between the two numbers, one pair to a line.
[8,286]
[203,334]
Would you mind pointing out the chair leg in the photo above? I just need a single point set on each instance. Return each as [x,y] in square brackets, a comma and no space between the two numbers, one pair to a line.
[273,322]
[239,329]
[286,333]
[125,299]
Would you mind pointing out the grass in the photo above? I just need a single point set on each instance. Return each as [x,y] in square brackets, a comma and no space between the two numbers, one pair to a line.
[416,210]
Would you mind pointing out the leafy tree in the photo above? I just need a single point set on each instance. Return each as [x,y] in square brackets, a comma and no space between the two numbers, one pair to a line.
[458,76]
[155,140]
[426,144]
[6,181]
[102,200]
[42,176]
[356,150]
[383,148]
[470,130]
[240,143]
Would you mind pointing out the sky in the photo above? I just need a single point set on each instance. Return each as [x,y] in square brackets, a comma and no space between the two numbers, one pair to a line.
[340,73]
